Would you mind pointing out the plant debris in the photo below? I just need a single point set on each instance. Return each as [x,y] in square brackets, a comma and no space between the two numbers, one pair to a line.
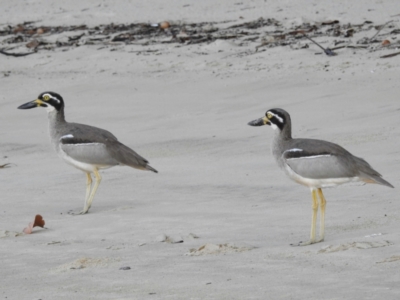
[263,32]
[37,222]
[5,166]
[327,51]
[390,55]
[15,54]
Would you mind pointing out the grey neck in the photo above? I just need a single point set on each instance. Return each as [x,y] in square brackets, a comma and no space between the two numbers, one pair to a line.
[286,132]
[56,117]
[56,125]
[279,144]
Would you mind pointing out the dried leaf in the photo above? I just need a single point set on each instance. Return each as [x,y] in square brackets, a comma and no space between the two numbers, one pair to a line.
[28,230]
[32,44]
[37,222]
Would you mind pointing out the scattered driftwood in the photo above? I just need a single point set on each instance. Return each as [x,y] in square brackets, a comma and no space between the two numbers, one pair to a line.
[264,32]
[350,46]
[327,51]
[15,54]
[390,55]
[379,30]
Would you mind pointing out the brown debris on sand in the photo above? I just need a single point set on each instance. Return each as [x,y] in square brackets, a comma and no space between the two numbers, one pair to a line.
[37,38]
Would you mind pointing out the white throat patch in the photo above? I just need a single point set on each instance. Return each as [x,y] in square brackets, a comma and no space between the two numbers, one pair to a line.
[273,126]
[50,108]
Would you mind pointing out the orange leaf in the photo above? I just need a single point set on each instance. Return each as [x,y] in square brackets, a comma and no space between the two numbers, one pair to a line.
[38,221]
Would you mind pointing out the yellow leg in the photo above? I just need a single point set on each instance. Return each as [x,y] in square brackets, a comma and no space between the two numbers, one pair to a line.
[322,202]
[88,186]
[313,220]
[89,201]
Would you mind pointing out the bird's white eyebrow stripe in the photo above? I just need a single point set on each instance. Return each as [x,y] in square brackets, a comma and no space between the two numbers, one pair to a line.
[52,97]
[67,136]
[278,117]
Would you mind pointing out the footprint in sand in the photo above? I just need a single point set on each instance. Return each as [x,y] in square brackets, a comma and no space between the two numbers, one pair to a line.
[85,262]
[390,259]
[354,245]
[215,249]
[7,233]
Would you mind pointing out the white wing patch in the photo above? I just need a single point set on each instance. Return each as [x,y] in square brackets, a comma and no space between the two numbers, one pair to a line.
[294,150]
[303,157]
[312,156]
[87,144]
[67,136]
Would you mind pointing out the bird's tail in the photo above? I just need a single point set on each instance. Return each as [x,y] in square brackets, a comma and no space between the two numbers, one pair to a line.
[126,156]
[374,179]
[368,174]
[148,167]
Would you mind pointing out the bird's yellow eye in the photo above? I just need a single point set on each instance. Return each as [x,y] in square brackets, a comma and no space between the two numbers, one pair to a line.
[46,97]
[269,115]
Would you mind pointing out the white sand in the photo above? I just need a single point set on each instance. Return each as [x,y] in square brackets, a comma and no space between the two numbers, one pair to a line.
[185,109]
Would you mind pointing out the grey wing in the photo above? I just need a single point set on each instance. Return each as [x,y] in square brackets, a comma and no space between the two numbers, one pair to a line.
[87,144]
[98,146]
[319,159]
[84,133]
[93,153]
[322,166]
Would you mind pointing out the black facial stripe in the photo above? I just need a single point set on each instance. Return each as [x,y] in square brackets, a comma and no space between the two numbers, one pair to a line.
[277,119]
[277,122]
[55,100]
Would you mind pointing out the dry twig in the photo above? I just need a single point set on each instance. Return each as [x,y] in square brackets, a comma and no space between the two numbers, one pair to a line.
[327,51]
[381,27]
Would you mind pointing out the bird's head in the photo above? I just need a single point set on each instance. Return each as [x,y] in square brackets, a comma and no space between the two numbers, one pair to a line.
[277,118]
[50,100]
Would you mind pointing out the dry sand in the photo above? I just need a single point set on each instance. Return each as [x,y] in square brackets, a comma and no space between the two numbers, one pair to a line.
[218,220]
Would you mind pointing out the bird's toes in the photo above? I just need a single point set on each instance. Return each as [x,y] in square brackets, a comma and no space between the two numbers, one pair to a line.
[77,213]
[301,243]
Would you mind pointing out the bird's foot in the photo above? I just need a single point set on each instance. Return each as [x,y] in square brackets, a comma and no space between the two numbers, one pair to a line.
[76,213]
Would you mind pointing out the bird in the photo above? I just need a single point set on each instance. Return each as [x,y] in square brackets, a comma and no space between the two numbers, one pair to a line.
[314,163]
[85,147]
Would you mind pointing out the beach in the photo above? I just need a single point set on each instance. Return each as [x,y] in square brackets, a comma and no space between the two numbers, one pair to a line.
[218,220]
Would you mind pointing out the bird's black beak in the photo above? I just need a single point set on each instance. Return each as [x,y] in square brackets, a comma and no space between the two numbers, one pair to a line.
[260,122]
[32,104]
